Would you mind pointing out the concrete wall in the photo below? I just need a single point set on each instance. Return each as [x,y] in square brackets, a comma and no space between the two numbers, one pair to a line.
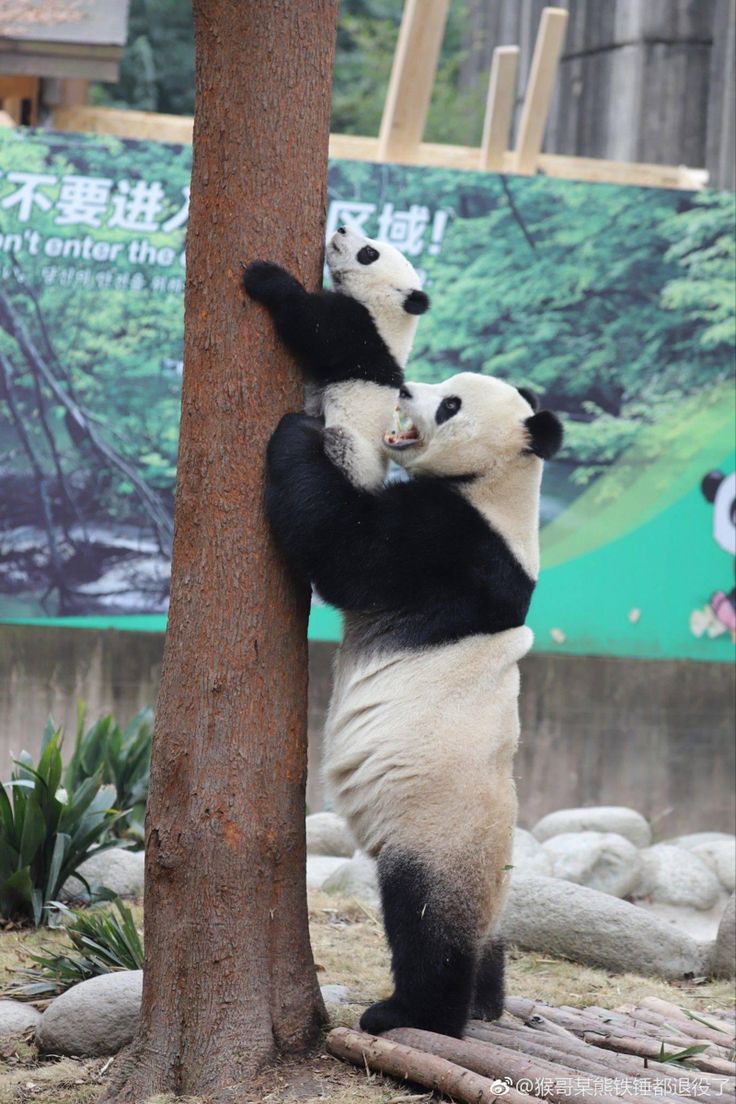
[639,80]
[655,735]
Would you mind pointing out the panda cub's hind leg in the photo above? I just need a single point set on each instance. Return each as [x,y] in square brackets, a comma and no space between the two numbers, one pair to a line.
[433,949]
[489,991]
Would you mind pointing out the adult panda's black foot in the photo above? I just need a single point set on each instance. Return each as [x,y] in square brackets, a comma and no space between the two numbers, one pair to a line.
[385,1015]
[391,1013]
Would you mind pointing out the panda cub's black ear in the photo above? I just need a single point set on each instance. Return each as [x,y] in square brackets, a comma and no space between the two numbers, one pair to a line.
[545,434]
[710,484]
[416,302]
[530,397]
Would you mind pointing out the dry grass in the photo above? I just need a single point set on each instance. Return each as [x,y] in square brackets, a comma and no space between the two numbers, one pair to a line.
[350,950]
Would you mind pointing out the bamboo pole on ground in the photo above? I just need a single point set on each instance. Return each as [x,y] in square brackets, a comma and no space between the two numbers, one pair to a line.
[495,1061]
[419,1066]
[581,1060]
[649,1048]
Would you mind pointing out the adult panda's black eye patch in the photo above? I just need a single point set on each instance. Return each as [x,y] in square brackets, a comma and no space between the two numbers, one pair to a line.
[447,409]
[367,255]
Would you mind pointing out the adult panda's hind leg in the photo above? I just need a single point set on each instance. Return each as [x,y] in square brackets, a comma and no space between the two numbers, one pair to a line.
[489,991]
[429,928]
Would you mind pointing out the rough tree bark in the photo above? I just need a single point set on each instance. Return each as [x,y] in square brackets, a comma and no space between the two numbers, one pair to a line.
[229,980]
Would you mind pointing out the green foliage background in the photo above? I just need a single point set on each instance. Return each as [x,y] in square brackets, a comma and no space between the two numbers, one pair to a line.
[613,303]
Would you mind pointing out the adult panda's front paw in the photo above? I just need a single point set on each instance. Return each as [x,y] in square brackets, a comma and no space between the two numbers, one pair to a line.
[266,282]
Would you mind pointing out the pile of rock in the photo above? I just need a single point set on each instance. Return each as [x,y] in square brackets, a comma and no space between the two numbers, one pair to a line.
[98,1016]
[586,884]
[589,884]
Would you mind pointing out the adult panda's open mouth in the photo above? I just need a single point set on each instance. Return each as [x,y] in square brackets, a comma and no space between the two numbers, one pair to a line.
[401,436]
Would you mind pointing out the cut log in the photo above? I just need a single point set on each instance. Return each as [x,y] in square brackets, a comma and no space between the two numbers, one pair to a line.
[536,1014]
[499,1062]
[640,1021]
[421,1067]
[650,1048]
[721,1036]
[579,1058]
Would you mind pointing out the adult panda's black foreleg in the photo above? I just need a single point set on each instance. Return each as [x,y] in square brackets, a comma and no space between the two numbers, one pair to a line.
[433,953]
[489,991]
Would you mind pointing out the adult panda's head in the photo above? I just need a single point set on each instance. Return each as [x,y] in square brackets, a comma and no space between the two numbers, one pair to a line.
[381,278]
[471,426]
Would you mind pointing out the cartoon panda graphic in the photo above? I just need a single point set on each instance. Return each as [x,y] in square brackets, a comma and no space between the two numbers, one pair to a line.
[719,615]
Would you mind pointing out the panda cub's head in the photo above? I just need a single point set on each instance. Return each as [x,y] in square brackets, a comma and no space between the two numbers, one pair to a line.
[470,425]
[381,278]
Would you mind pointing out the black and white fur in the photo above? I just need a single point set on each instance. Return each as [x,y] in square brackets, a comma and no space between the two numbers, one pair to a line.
[352,343]
[434,578]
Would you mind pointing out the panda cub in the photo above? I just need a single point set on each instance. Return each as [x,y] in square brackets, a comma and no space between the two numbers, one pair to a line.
[352,343]
[434,577]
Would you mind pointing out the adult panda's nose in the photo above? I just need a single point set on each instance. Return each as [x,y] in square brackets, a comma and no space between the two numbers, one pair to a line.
[342,229]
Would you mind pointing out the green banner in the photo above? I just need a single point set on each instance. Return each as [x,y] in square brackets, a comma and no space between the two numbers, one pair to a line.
[615,304]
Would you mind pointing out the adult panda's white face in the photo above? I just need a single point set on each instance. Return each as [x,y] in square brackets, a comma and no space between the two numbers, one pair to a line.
[470,425]
[381,278]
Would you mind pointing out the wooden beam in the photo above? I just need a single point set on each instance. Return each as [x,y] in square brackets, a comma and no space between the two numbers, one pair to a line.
[352,147]
[412,78]
[499,108]
[538,97]
[125,124]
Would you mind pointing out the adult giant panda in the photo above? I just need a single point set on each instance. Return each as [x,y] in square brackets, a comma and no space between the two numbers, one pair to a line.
[352,343]
[434,578]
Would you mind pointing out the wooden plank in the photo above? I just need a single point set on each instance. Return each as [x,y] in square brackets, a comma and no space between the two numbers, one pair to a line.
[125,124]
[499,108]
[538,97]
[352,147]
[412,77]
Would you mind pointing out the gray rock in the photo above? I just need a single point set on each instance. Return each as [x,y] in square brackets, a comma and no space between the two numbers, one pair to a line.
[719,855]
[528,856]
[335,995]
[328,834]
[356,878]
[118,869]
[723,963]
[319,868]
[599,818]
[98,1016]
[581,924]
[695,839]
[16,1017]
[675,876]
[600,860]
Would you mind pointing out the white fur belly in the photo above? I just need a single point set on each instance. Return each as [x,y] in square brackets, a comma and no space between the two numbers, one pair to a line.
[419,746]
[357,413]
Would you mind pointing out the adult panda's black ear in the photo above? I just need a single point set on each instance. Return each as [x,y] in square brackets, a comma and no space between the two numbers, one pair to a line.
[545,434]
[710,484]
[416,302]
[530,397]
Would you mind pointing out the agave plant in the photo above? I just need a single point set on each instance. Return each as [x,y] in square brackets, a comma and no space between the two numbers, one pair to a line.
[101,943]
[47,833]
[122,757]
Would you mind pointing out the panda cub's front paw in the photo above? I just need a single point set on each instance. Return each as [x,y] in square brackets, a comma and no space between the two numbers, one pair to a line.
[267,282]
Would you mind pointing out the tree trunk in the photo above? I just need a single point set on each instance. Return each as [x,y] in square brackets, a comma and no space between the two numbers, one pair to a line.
[229,979]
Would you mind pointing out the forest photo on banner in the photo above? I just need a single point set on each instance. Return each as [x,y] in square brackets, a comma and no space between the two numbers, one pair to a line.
[613,303]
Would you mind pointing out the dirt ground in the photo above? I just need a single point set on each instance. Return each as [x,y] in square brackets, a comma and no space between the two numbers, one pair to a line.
[349,950]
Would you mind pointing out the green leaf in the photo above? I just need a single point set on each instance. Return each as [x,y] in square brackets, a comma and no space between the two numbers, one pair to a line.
[61,847]
[34,832]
